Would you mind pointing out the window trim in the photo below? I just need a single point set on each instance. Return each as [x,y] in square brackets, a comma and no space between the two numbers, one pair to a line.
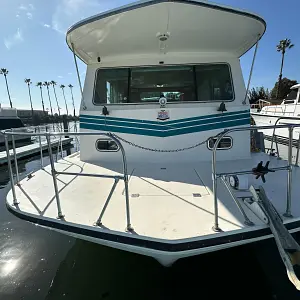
[225,137]
[169,102]
[105,139]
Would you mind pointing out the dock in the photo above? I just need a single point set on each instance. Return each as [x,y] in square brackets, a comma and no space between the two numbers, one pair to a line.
[32,149]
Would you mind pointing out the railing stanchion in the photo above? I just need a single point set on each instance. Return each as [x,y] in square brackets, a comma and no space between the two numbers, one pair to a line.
[288,213]
[277,149]
[41,148]
[215,185]
[15,158]
[60,215]
[298,148]
[99,221]
[125,172]
[11,176]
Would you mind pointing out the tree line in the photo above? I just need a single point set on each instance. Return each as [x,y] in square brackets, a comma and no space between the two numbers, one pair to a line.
[49,116]
[282,87]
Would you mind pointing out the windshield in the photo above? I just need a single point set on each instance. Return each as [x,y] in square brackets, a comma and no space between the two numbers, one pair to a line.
[209,82]
[292,95]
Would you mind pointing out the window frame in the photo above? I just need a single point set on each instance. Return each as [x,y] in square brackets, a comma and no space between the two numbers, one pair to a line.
[106,139]
[169,102]
[225,137]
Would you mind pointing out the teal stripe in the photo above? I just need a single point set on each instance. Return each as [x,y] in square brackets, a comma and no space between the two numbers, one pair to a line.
[108,118]
[164,126]
[139,131]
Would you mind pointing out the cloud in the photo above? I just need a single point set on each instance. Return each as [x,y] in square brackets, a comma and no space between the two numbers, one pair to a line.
[30,6]
[68,12]
[47,25]
[70,73]
[14,39]
[59,76]
[25,9]
[22,7]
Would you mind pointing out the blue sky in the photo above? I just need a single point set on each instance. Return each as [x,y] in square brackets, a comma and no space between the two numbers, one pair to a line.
[32,43]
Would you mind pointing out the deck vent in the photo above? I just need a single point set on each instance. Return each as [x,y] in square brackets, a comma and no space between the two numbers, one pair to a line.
[196,195]
[135,195]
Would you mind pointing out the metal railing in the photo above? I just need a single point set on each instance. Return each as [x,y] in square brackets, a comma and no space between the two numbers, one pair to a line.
[124,177]
[216,175]
[290,138]
[54,172]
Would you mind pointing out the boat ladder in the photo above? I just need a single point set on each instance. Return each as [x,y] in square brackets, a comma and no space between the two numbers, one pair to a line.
[288,248]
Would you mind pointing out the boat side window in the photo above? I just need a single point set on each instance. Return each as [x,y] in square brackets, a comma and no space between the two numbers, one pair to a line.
[214,82]
[224,144]
[111,86]
[11,123]
[106,145]
[206,82]
[291,97]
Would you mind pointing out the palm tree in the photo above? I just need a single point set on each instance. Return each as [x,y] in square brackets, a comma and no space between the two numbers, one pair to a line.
[282,47]
[28,82]
[46,84]
[5,72]
[40,85]
[53,83]
[71,87]
[62,88]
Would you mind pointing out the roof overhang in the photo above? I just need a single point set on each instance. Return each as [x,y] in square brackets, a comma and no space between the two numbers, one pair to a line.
[190,26]
[296,86]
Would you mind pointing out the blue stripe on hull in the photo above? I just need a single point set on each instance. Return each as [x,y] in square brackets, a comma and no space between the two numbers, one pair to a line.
[165,126]
[162,133]
[219,115]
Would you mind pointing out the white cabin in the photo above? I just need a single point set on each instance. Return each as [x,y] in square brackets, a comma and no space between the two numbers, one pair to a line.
[131,65]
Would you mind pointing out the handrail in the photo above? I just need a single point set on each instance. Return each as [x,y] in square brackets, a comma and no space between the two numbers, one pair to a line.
[272,141]
[216,175]
[48,135]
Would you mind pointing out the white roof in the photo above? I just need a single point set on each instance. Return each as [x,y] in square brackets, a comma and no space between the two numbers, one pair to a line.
[192,26]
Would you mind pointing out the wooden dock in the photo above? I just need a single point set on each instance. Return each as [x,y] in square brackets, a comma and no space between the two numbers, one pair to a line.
[32,149]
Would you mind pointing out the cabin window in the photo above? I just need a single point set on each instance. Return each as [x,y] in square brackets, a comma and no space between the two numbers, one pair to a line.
[150,83]
[106,145]
[291,97]
[224,143]
[111,86]
[214,82]
[11,123]
[207,82]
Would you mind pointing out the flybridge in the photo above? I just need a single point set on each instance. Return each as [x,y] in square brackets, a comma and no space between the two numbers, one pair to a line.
[165,27]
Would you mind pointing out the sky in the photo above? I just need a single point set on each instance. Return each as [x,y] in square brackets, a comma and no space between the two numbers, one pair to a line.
[32,44]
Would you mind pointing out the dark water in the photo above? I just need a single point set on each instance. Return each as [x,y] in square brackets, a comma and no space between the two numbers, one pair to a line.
[37,263]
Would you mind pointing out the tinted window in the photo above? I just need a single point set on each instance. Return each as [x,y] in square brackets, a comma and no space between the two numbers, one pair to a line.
[106,145]
[174,83]
[10,123]
[208,82]
[214,82]
[224,143]
[111,86]
[292,95]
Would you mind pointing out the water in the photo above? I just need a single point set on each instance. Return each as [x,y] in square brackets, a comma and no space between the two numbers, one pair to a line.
[37,263]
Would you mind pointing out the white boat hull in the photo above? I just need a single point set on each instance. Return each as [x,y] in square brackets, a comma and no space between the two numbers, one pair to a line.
[166,258]
[268,120]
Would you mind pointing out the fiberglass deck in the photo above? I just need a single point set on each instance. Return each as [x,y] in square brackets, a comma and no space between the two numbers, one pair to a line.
[166,202]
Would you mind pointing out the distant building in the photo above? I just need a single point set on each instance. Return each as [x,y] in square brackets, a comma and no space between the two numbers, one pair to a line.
[26,115]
